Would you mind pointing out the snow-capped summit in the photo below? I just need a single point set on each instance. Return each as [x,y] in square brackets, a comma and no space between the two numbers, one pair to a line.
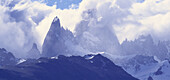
[56,39]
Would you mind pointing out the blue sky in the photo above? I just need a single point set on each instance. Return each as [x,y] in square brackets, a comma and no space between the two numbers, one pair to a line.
[62,4]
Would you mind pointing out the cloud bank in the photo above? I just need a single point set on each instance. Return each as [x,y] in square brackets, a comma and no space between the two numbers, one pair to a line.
[24,22]
[148,17]
[18,23]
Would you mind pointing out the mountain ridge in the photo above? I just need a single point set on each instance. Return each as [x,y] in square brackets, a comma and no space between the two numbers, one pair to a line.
[66,68]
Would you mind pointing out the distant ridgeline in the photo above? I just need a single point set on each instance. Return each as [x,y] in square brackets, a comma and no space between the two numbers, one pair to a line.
[145,45]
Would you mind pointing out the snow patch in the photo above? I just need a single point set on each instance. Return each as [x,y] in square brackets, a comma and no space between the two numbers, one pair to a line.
[55,19]
[89,57]
[21,61]
[54,57]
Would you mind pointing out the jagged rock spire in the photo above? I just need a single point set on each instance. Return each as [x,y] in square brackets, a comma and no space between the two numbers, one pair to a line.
[56,37]
[34,53]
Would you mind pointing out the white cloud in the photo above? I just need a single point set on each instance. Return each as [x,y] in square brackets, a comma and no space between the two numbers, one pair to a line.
[150,8]
[18,21]
[149,17]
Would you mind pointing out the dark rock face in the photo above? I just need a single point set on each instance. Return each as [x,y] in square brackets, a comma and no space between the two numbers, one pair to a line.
[150,78]
[56,38]
[6,58]
[34,53]
[158,72]
[66,68]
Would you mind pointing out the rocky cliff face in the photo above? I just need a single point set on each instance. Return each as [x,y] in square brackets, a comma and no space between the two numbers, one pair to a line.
[88,38]
[56,40]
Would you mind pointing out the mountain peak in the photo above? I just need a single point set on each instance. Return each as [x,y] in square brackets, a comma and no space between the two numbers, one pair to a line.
[55,26]
[33,53]
[55,39]
[56,19]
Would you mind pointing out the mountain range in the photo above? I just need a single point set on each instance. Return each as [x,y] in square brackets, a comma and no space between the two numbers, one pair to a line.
[88,55]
